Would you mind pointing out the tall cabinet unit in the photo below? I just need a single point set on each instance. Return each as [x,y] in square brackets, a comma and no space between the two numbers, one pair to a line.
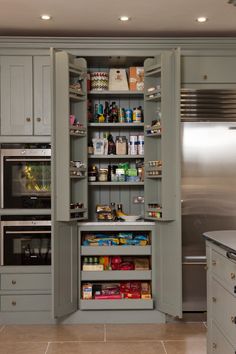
[161,191]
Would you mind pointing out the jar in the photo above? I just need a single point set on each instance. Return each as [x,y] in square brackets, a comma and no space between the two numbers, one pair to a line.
[92,176]
[99,80]
[102,175]
[121,145]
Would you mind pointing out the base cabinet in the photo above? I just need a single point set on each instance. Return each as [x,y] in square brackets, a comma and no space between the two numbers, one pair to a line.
[221,301]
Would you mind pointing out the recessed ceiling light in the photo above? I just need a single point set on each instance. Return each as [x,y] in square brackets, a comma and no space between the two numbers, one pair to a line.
[202,19]
[124,18]
[46,17]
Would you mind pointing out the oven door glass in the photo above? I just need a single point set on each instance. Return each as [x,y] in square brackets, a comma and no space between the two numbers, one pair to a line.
[27,182]
[27,247]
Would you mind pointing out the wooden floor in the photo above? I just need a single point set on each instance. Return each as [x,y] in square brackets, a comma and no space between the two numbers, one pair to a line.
[171,338]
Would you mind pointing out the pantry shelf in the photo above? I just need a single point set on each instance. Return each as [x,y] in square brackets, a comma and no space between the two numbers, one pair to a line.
[116,183]
[116,93]
[114,250]
[116,157]
[116,125]
[116,275]
[124,304]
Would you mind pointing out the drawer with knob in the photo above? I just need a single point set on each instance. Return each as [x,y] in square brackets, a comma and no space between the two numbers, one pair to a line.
[14,303]
[219,344]
[224,310]
[225,269]
[26,282]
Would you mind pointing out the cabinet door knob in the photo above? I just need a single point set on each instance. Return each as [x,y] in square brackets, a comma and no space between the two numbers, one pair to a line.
[213,262]
[214,345]
[233,319]
[13,303]
[232,275]
[13,282]
[28,119]
[214,299]
[205,267]
[38,119]
[205,77]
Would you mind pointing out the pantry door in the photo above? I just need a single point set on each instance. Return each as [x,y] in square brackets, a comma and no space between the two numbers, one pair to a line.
[162,174]
[64,228]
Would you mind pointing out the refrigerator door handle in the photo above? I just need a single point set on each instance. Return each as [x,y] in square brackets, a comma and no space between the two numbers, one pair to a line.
[231,255]
[194,260]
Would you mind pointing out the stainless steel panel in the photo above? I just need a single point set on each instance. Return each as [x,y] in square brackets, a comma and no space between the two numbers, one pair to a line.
[208,105]
[208,186]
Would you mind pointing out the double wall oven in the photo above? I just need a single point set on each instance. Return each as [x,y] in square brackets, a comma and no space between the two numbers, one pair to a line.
[26,178]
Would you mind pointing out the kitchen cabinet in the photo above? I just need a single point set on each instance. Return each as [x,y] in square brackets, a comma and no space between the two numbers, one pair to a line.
[68,191]
[25,289]
[25,95]
[221,291]
[208,70]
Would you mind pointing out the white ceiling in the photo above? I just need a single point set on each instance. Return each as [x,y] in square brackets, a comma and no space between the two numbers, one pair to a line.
[100,18]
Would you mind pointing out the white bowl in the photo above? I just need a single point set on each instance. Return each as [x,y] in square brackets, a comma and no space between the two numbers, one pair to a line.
[130,218]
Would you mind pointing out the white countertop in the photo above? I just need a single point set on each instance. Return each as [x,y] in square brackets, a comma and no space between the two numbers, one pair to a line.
[225,238]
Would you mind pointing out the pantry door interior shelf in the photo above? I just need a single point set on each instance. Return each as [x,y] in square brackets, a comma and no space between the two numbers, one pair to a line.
[124,304]
[114,250]
[112,275]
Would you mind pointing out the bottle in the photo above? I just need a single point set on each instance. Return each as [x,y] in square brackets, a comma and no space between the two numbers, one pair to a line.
[106,112]
[113,210]
[109,173]
[111,145]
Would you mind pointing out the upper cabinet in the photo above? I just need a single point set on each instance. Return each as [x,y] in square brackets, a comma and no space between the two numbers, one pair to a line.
[25,95]
[208,69]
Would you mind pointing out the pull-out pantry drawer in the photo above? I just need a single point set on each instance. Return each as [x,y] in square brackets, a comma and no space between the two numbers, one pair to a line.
[224,310]
[26,282]
[25,303]
[225,270]
[220,344]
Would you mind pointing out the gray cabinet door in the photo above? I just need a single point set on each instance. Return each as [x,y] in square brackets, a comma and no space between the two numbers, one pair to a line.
[42,96]
[64,233]
[169,269]
[16,95]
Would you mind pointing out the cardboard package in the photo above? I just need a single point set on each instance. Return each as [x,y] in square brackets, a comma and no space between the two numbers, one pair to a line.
[136,78]
[118,80]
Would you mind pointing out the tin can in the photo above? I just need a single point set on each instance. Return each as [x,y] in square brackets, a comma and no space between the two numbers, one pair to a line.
[128,116]
[121,115]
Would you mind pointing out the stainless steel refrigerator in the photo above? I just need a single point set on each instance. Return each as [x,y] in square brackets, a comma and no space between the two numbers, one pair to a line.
[208,181]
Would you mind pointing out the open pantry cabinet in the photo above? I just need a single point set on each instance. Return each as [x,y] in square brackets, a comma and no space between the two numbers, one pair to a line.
[155,194]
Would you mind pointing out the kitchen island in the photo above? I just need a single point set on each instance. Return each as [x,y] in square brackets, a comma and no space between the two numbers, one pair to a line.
[221,291]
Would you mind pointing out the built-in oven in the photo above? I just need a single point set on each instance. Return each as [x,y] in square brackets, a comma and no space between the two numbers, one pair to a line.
[26,178]
[26,242]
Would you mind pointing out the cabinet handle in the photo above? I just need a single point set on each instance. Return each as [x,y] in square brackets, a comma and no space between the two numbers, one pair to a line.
[205,77]
[213,262]
[38,119]
[206,267]
[232,276]
[214,299]
[13,303]
[233,319]
[28,119]
[214,345]
[13,282]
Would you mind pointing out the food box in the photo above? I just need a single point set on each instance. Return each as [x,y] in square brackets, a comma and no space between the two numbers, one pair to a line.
[87,292]
[118,80]
[93,267]
[136,78]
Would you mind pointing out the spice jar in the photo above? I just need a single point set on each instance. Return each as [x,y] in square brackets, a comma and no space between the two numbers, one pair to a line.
[102,175]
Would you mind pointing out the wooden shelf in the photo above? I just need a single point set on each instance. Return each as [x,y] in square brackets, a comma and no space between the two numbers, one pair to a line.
[123,304]
[116,275]
[116,250]
[110,184]
[116,125]
[115,156]
[78,210]
[116,93]
[76,98]
[153,177]
[153,70]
